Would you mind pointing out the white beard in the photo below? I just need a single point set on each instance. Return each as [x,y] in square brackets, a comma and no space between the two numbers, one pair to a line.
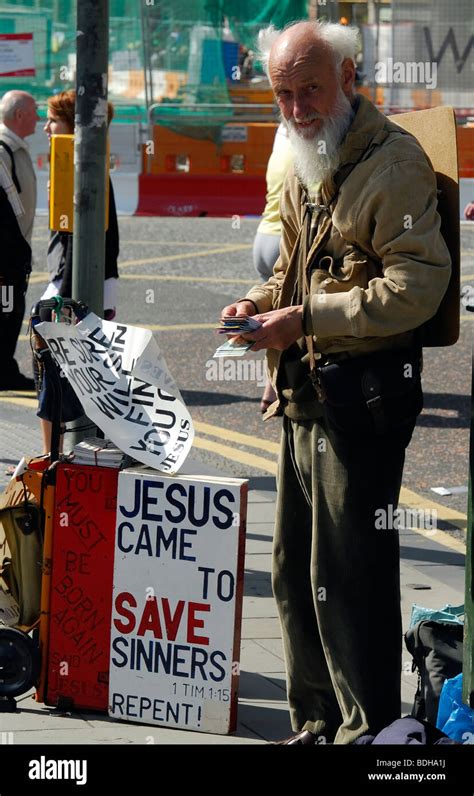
[318,157]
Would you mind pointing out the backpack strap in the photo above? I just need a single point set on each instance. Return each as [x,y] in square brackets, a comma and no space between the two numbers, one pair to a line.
[15,179]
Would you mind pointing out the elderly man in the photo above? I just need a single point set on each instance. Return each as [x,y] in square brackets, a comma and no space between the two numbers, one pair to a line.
[19,114]
[362,264]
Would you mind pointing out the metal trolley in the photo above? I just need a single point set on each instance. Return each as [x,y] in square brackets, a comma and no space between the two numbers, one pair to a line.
[24,647]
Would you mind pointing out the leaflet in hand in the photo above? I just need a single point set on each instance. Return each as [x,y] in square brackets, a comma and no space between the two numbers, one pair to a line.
[232,349]
[238,324]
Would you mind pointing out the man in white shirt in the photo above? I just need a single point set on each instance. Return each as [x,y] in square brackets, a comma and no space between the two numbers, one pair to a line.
[20,115]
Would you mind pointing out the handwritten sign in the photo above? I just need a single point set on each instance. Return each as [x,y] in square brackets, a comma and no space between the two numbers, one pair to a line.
[81,586]
[177,596]
[121,378]
[17,58]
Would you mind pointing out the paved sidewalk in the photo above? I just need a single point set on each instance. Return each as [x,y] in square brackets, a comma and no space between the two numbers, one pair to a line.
[432,574]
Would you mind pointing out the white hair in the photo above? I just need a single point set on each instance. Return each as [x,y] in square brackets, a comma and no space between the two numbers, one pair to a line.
[342,39]
[12,102]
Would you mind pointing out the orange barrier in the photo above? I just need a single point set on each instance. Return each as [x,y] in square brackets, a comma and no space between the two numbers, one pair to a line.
[465,136]
[189,176]
[247,154]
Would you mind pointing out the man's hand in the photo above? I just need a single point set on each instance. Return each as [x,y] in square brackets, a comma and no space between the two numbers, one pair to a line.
[280,328]
[239,308]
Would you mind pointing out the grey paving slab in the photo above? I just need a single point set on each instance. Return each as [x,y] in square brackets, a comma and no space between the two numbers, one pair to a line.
[261,497]
[273,645]
[258,587]
[128,734]
[270,721]
[260,607]
[260,628]
[255,658]
[43,718]
[256,543]
[261,513]
[278,680]
[254,687]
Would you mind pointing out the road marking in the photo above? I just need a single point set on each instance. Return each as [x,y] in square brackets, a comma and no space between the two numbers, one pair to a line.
[16,398]
[445,513]
[408,497]
[185,255]
[155,242]
[171,278]
[39,276]
[157,327]
[24,338]
[176,327]
[236,455]
[236,436]
[441,537]
[174,243]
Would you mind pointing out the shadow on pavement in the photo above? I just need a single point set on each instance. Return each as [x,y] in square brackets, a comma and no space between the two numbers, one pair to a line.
[199,398]
[433,556]
[448,401]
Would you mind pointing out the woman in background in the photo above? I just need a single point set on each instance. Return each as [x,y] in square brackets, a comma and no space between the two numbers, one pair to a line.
[266,246]
[60,121]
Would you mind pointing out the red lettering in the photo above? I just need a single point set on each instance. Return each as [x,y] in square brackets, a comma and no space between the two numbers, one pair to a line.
[194,623]
[172,622]
[153,616]
[150,619]
[121,599]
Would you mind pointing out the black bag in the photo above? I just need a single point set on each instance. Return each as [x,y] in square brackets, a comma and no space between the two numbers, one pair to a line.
[15,266]
[377,393]
[437,649]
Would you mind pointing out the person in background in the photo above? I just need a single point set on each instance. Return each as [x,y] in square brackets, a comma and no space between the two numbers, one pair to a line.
[60,121]
[19,115]
[469,211]
[266,245]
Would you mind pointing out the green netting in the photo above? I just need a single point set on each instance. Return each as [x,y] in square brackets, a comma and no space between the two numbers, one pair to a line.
[171,52]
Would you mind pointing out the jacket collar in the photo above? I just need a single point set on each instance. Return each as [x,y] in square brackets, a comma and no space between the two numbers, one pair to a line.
[12,138]
[365,126]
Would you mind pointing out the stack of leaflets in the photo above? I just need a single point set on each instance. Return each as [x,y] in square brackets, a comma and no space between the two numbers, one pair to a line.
[236,325]
[98,452]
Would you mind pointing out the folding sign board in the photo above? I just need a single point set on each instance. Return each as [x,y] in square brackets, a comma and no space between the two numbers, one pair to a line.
[177,600]
[81,586]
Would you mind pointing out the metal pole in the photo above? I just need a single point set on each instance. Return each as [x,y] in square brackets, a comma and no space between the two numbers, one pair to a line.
[90,148]
[468,652]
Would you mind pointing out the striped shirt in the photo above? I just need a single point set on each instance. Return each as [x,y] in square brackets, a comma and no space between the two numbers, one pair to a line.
[6,183]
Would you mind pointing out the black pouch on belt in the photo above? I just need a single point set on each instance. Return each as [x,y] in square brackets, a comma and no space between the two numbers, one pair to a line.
[372,394]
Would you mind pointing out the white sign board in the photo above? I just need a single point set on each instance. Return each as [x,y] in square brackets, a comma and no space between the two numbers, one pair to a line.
[177,600]
[17,57]
[122,381]
[235,133]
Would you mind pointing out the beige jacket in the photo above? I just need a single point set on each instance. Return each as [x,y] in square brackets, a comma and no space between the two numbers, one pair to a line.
[26,177]
[390,265]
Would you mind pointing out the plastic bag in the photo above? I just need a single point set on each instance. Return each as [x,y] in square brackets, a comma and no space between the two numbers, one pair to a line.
[450,613]
[455,718]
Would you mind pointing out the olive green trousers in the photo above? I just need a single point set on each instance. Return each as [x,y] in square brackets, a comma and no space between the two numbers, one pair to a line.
[336,578]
